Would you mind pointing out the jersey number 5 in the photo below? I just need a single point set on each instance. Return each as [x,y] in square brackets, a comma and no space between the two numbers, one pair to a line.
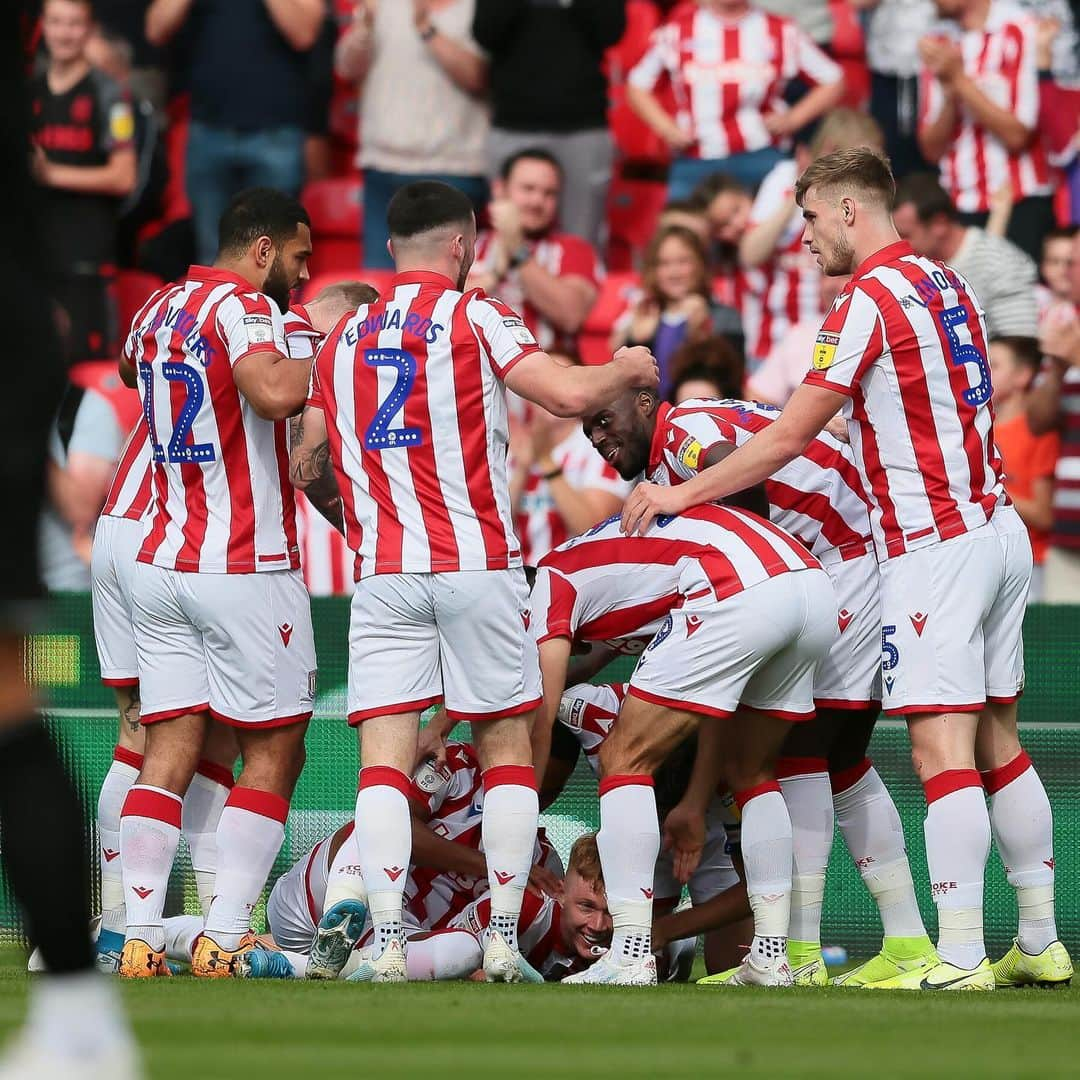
[179,450]
[962,353]
[380,435]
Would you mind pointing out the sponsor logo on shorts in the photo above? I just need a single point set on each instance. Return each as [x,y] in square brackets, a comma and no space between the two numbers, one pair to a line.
[526,618]
[312,683]
[1049,862]
[285,630]
[693,625]
[393,872]
[844,618]
[918,621]
[647,893]
[503,878]
[661,635]
[109,854]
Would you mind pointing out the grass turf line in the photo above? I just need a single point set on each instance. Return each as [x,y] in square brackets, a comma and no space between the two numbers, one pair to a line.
[270,1030]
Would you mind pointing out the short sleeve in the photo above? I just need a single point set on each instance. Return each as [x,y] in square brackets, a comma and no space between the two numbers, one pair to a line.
[249,323]
[850,340]
[117,117]
[659,57]
[96,431]
[301,345]
[503,332]
[431,785]
[695,434]
[314,397]
[812,65]
[579,259]
[552,604]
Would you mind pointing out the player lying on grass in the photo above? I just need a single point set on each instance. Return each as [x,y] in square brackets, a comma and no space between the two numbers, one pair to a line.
[818,498]
[558,935]
[695,587]
[585,719]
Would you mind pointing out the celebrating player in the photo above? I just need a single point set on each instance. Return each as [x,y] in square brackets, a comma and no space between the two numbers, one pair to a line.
[695,585]
[903,352]
[408,404]
[817,497]
[222,621]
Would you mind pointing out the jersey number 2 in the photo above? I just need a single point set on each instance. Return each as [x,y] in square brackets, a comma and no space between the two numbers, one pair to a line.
[380,435]
[179,450]
[962,354]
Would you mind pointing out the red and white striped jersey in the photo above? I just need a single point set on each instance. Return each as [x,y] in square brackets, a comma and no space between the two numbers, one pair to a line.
[818,497]
[301,337]
[223,502]
[412,388]
[727,74]
[540,526]
[560,254]
[1000,58]
[129,492]
[325,558]
[589,712]
[905,341]
[539,933]
[604,586]
[773,297]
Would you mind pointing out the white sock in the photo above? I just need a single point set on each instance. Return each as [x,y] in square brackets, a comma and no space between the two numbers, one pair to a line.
[509,824]
[957,830]
[384,844]
[122,774]
[249,837]
[767,859]
[1023,826]
[180,934]
[344,880]
[870,824]
[443,954]
[203,803]
[629,842]
[149,835]
[76,1015]
[804,784]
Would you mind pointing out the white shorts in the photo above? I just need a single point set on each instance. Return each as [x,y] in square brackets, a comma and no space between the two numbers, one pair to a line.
[112,567]
[715,872]
[295,904]
[952,620]
[237,645]
[758,648]
[461,638]
[849,677]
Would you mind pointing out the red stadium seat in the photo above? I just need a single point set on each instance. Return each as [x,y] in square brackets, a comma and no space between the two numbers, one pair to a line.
[133,289]
[633,209]
[335,205]
[849,51]
[615,295]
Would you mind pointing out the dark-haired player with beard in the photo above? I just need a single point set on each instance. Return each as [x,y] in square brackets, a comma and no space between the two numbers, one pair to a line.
[221,615]
[408,407]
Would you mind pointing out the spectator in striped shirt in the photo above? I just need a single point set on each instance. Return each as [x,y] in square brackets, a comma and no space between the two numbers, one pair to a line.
[1055,405]
[728,64]
[980,111]
[1002,276]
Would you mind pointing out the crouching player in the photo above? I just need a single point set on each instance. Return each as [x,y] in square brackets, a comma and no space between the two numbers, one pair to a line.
[557,936]
[739,613]
[586,715]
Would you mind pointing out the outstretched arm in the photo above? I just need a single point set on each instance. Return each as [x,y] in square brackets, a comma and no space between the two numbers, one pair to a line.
[809,409]
[310,468]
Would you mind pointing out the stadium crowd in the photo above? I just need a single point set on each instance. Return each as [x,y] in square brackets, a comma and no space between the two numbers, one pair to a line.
[648,182]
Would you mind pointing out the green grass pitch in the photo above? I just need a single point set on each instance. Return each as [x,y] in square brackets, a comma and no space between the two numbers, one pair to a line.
[309,1031]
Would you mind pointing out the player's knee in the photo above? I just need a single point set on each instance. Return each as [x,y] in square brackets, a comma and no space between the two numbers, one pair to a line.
[631,755]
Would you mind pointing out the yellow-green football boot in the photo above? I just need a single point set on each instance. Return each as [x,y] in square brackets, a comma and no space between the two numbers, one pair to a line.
[1050,968]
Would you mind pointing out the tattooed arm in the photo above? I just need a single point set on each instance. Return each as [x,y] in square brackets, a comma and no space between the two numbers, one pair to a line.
[310,468]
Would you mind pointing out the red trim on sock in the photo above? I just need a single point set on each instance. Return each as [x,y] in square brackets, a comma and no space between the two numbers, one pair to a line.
[218,773]
[384,776]
[743,797]
[127,757]
[264,803]
[799,766]
[610,783]
[847,778]
[158,805]
[945,783]
[518,775]
[995,779]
